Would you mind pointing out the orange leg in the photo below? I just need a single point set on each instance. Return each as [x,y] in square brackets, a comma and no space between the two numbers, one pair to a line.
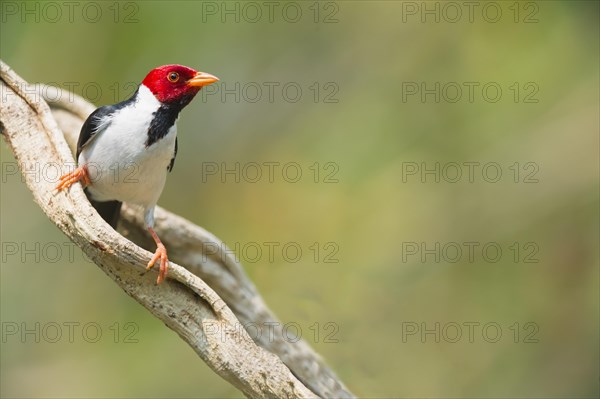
[161,252]
[79,174]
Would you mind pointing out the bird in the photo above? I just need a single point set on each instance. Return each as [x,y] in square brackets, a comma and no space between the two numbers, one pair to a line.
[126,150]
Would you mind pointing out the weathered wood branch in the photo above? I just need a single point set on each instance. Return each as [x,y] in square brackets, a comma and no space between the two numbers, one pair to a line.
[205,319]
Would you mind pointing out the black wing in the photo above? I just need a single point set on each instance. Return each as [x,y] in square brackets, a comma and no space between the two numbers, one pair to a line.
[108,210]
[92,126]
[170,167]
[96,122]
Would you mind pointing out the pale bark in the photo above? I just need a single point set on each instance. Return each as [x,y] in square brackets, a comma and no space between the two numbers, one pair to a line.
[211,322]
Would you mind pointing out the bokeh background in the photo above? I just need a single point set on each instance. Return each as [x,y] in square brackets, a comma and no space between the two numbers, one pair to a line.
[362,56]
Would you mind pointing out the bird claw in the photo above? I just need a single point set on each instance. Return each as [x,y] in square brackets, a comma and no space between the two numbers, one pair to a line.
[79,174]
[161,253]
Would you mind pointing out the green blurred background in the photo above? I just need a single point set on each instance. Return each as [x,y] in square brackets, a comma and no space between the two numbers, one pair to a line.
[369,53]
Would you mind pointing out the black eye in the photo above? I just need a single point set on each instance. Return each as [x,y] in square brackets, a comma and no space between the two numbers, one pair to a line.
[173,77]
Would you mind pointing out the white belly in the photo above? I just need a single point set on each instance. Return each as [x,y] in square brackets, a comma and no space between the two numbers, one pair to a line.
[120,165]
[130,175]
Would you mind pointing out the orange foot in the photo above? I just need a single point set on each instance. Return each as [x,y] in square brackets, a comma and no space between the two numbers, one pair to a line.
[161,253]
[79,174]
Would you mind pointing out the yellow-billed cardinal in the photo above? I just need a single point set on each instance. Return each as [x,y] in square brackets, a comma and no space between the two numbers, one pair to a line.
[125,151]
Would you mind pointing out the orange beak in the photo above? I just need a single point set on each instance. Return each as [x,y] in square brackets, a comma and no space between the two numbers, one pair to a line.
[202,79]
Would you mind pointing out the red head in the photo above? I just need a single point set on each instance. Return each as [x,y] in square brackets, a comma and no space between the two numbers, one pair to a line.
[174,83]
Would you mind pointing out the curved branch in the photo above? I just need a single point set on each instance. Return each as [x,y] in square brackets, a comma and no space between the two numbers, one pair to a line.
[183,302]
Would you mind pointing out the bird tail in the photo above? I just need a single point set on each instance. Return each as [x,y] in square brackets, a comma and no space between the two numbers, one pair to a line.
[109,210]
